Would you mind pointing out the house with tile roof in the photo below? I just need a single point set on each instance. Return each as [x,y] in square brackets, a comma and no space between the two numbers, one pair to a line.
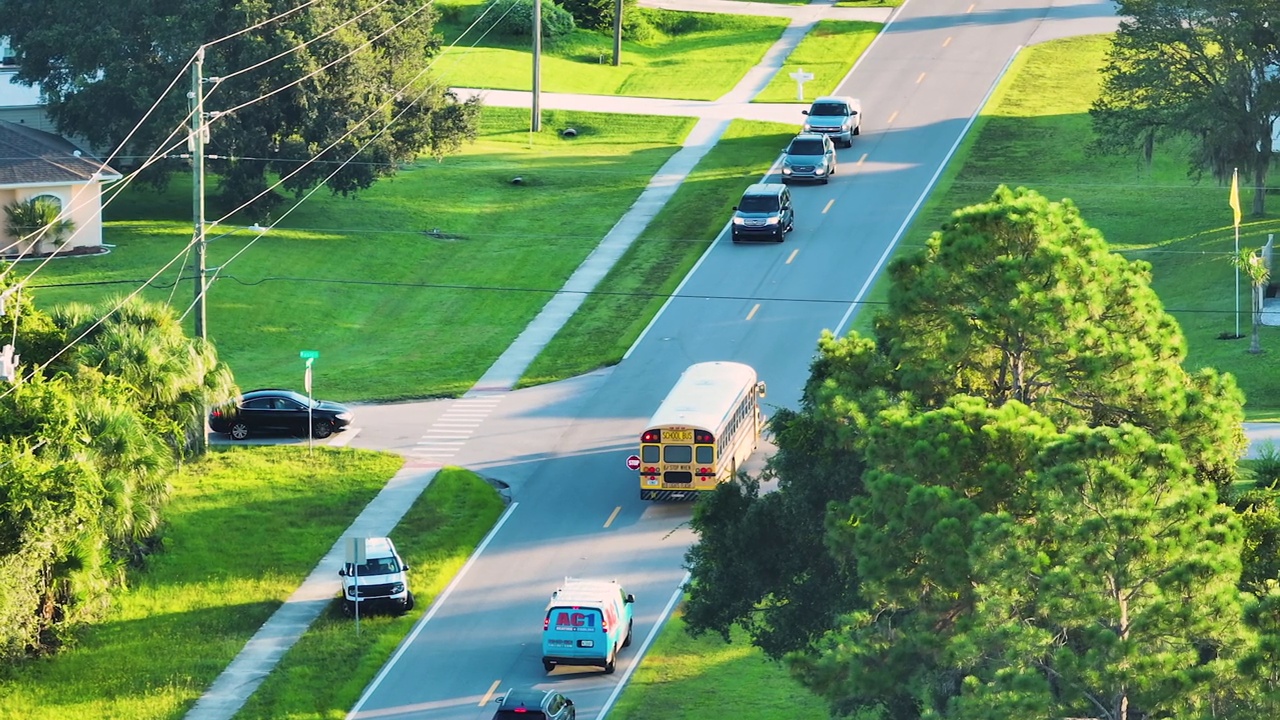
[39,164]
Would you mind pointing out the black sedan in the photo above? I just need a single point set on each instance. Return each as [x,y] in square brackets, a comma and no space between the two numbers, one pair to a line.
[278,412]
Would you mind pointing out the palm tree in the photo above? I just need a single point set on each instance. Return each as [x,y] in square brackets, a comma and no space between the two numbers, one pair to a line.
[1251,263]
[38,219]
[144,345]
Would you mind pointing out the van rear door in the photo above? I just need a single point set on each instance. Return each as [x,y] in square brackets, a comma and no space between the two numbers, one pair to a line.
[575,632]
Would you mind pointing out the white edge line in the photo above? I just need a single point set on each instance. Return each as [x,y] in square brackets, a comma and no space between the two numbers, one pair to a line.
[772,170]
[435,605]
[857,300]
[662,620]
[892,18]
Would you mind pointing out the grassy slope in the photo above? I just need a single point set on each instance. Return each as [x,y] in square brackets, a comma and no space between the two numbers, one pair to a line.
[684,678]
[243,529]
[628,297]
[323,675]
[692,56]
[829,52]
[1033,133]
[396,313]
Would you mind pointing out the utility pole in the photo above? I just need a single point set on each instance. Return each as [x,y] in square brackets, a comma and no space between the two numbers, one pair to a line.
[196,143]
[199,134]
[617,34]
[535,122]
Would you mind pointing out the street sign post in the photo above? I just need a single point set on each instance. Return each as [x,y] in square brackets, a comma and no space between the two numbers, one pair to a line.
[801,77]
[356,549]
[633,462]
[310,356]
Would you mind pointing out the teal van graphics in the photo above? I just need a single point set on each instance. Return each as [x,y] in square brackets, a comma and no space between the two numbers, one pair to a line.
[586,623]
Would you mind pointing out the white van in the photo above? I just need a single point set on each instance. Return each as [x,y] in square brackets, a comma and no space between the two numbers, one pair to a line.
[586,623]
[381,580]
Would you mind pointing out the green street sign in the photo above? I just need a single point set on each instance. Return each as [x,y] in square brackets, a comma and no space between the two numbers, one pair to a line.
[309,354]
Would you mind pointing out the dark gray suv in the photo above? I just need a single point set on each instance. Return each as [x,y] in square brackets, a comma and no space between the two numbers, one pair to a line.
[534,705]
[763,213]
[810,156]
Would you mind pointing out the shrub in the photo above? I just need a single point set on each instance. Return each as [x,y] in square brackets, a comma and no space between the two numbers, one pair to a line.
[514,18]
[598,14]
[1266,469]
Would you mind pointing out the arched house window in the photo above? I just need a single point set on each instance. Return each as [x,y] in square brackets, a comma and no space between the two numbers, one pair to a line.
[25,218]
[48,197]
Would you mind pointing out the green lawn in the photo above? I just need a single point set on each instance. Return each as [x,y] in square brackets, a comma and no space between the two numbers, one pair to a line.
[323,675]
[610,319]
[828,51]
[1033,133]
[395,312]
[692,56]
[244,527]
[683,678]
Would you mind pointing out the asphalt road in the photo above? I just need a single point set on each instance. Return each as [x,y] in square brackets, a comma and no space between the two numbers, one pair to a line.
[561,448]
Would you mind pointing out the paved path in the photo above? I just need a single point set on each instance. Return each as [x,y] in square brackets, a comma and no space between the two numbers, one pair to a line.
[250,667]
[705,109]
[825,8]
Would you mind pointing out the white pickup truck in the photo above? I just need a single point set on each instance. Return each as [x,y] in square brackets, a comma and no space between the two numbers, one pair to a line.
[836,116]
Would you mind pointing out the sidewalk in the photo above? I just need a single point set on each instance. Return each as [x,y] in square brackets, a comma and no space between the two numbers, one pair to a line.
[251,666]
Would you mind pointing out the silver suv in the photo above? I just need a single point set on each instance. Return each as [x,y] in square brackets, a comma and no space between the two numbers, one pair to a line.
[810,156]
[836,116]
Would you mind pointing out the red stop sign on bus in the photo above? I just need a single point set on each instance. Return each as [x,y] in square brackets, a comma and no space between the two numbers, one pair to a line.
[633,462]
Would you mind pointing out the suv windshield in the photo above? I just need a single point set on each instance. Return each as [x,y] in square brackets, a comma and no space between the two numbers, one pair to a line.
[828,109]
[759,203]
[377,566]
[807,146]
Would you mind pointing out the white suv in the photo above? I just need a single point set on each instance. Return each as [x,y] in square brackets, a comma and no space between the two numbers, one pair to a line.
[381,580]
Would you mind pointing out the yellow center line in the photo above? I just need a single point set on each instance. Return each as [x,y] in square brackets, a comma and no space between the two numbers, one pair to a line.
[832,201]
[616,510]
[864,155]
[753,311]
[920,79]
[892,117]
[971,7]
[797,250]
[485,700]
[947,41]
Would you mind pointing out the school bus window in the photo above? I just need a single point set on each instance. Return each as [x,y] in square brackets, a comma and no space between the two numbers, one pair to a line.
[706,454]
[649,453]
[677,453]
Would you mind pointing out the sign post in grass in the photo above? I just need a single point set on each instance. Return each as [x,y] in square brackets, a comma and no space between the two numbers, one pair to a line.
[310,356]
[355,558]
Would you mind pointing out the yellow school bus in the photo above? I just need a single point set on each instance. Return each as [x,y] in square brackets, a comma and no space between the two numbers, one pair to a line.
[705,429]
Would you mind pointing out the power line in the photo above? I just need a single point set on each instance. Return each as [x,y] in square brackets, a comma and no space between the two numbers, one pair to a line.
[358,150]
[639,294]
[182,253]
[155,155]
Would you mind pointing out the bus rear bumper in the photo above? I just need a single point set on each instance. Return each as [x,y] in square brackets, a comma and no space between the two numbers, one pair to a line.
[670,494]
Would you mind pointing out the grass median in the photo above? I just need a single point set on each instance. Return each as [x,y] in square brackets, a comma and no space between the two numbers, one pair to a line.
[323,675]
[829,52]
[245,526]
[630,295]
[690,56]
[685,678]
[1033,133]
[410,289]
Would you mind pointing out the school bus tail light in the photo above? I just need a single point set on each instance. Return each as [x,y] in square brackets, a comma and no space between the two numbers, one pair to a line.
[704,471]
[701,437]
[650,436]
[649,471]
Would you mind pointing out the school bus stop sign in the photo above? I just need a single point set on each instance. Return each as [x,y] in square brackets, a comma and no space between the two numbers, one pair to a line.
[633,462]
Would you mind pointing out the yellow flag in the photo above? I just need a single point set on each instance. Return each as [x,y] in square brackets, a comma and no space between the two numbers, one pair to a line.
[1235,196]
